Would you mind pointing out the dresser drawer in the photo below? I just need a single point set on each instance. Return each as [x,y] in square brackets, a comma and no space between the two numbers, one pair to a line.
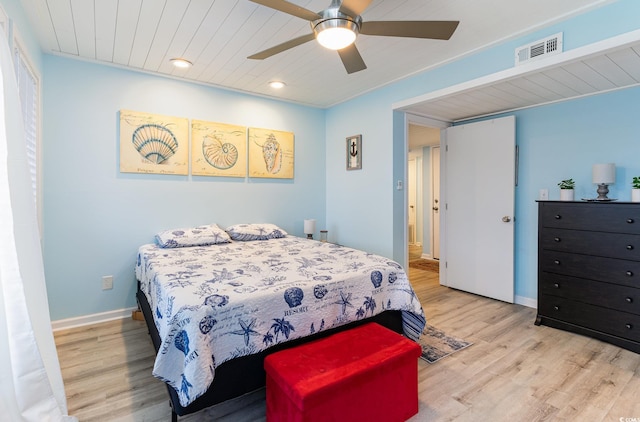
[616,218]
[608,321]
[610,270]
[612,245]
[621,298]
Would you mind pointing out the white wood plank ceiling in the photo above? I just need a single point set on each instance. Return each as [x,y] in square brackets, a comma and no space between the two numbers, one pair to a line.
[218,35]
[604,66]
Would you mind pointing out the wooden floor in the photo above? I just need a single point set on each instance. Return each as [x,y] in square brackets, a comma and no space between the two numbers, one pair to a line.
[514,371]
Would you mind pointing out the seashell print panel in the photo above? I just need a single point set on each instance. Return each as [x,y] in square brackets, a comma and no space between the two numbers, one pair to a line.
[271,153]
[218,149]
[151,143]
[154,142]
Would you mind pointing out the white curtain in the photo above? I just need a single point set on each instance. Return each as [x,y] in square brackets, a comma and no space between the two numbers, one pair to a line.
[31,387]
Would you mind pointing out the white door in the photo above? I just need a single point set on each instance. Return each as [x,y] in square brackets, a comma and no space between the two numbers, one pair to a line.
[411,193]
[435,202]
[480,191]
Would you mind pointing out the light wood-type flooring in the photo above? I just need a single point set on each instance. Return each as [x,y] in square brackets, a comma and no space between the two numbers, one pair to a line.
[514,371]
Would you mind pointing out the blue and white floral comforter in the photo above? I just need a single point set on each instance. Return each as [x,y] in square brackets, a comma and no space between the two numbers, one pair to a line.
[215,303]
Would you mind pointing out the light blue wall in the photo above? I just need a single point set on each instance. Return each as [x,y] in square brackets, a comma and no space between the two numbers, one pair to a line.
[95,217]
[359,201]
[20,25]
[563,141]
[349,198]
[399,197]
[88,202]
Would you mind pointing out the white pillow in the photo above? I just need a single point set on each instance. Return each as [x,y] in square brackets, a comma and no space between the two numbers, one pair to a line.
[194,236]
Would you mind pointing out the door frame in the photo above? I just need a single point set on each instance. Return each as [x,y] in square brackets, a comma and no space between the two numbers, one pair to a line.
[432,218]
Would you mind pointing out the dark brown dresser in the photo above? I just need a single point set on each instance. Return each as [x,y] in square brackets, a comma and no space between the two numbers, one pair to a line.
[589,269]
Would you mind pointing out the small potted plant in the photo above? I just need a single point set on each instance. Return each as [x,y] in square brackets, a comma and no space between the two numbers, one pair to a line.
[635,191]
[566,189]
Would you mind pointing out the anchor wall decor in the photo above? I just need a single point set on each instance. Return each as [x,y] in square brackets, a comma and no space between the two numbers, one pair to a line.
[354,152]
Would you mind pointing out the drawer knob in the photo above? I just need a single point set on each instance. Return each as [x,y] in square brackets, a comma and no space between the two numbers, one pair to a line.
[629,247]
[557,308]
[556,239]
[556,285]
[629,300]
[556,262]
[558,217]
[629,273]
[629,326]
[630,220]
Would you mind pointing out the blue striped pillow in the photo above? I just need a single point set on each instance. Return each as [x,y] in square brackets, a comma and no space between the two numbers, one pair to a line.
[245,232]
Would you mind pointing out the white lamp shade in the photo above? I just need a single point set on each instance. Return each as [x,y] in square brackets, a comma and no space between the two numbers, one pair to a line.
[604,173]
[309,226]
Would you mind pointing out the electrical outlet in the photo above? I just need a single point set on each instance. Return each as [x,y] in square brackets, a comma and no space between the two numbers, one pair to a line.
[107,282]
[543,195]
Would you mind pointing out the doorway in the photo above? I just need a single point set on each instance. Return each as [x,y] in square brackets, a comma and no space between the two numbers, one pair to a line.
[423,159]
[482,260]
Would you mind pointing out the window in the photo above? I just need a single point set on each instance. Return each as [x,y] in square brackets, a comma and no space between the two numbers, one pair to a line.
[29,89]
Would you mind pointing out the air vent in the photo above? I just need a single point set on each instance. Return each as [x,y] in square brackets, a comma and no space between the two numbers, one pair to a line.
[539,49]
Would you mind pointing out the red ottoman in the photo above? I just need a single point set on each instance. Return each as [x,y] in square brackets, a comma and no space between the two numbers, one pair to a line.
[368,373]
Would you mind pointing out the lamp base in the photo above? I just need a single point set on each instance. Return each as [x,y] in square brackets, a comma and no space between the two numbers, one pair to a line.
[603,190]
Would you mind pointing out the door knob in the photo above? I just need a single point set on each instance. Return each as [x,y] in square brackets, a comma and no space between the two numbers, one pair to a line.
[506,219]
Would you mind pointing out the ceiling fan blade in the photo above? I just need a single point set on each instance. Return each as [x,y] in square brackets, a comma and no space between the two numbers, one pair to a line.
[352,59]
[290,8]
[439,30]
[282,47]
[354,7]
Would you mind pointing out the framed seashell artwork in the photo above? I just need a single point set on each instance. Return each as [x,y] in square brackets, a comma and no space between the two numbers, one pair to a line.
[271,153]
[218,149]
[151,143]
[354,152]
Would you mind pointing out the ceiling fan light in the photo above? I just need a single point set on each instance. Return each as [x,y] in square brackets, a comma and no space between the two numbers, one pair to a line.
[336,38]
[336,34]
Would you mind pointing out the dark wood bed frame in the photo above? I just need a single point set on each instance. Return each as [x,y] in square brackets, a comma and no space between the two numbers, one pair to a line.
[242,375]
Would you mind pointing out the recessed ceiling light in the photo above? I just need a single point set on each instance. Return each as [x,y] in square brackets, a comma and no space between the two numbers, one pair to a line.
[276,84]
[181,63]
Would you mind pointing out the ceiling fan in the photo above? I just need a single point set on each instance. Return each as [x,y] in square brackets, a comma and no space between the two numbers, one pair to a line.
[338,26]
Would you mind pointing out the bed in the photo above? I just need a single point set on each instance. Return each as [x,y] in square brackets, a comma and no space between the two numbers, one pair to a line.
[216,302]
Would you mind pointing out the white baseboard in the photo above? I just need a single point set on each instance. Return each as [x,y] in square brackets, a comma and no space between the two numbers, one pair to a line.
[426,256]
[63,324]
[526,301]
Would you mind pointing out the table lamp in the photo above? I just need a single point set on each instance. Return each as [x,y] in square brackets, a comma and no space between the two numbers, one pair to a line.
[604,175]
[309,228]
